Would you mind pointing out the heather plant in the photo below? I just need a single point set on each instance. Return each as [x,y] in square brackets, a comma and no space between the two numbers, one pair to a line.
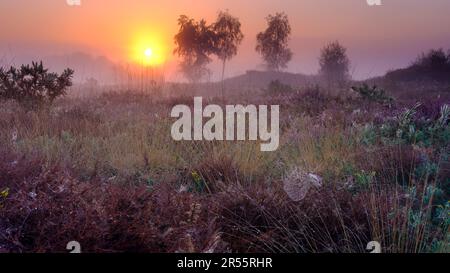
[424,131]
[428,136]
[32,85]
[423,180]
[409,128]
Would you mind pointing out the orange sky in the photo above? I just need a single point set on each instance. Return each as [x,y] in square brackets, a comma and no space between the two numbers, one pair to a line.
[378,38]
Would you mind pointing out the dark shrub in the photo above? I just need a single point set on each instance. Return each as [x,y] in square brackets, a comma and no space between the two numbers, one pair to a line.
[373,93]
[433,66]
[277,87]
[33,86]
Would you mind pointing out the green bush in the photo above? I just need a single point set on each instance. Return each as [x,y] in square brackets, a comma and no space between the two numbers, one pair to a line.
[373,93]
[33,86]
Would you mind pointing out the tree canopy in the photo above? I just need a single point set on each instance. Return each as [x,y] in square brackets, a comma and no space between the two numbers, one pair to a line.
[334,63]
[272,43]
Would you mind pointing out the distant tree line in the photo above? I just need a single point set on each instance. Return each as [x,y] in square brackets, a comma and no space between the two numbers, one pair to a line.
[197,41]
[433,65]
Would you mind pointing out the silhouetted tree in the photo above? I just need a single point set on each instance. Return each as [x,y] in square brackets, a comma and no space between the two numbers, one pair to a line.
[334,64]
[194,44]
[33,86]
[228,37]
[272,44]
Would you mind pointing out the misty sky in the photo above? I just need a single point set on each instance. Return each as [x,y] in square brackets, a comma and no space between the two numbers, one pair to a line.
[378,38]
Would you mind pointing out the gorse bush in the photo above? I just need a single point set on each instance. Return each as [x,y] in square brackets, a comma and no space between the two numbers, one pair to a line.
[373,93]
[32,85]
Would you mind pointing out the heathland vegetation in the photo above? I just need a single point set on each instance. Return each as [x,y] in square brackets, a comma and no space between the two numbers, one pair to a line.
[357,161]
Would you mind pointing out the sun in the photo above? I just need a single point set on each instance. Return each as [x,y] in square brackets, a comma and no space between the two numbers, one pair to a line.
[148,49]
[148,52]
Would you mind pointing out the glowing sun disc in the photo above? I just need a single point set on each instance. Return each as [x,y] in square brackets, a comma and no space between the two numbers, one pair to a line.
[148,52]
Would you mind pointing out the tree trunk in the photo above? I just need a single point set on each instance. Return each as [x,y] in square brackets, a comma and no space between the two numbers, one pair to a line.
[223,83]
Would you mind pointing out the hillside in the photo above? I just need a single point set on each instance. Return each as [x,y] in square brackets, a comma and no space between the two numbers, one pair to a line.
[253,79]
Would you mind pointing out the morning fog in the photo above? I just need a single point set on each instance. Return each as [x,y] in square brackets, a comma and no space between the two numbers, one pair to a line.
[229,124]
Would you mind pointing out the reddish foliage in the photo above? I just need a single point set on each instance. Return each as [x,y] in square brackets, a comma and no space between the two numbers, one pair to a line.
[46,208]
